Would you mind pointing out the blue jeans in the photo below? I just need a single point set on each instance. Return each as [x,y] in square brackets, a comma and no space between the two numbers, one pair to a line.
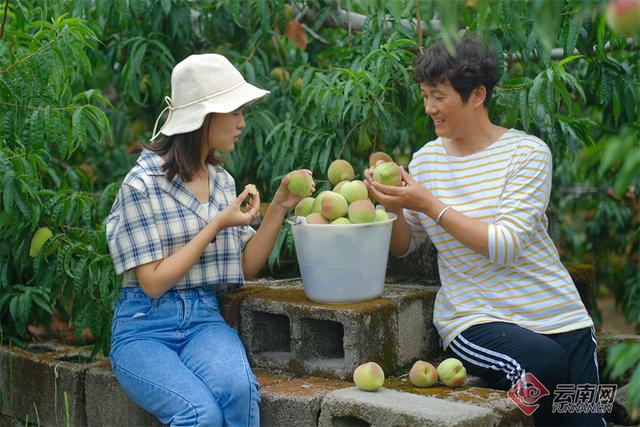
[177,358]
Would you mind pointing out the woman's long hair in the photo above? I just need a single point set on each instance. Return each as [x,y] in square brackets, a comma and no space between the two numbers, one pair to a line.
[182,152]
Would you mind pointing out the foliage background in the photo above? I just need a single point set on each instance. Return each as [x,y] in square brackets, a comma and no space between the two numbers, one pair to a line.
[81,81]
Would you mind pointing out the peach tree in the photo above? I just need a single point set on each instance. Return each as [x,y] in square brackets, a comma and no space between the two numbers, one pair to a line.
[82,81]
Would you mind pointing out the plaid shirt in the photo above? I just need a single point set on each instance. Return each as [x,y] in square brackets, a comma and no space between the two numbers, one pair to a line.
[153,217]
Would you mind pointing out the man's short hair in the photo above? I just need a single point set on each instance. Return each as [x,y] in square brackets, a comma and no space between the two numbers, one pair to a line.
[472,65]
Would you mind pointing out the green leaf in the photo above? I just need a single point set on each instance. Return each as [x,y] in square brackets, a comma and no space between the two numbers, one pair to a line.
[572,36]
[42,303]
[166,6]
[617,108]
[8,193]
[524,111]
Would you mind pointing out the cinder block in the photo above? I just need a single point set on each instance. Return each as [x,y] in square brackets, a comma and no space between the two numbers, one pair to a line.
[107,405]
[293,401]
[40,384]
[284,330]
[385,407]
[475,392]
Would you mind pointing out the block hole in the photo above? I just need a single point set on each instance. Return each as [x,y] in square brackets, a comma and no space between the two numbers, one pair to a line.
[40,348]
[322,339]
[349,422]
[271,333]
[75,358]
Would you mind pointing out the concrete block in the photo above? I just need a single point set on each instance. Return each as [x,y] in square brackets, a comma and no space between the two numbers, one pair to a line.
[385,407]
[230,302]
[293,401]
[107,405]
[40,383]
[474,392]
[284,330]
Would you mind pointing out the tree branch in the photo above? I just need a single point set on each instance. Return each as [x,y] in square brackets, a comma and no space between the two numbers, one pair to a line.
[355,22]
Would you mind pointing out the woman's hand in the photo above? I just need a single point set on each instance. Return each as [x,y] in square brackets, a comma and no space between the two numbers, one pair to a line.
[409,194]
[285,198]
[233,216]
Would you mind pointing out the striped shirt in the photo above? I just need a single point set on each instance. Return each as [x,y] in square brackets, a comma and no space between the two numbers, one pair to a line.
[506,185]
[153,217]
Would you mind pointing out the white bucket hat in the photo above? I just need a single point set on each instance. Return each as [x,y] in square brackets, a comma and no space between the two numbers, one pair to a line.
[203,84]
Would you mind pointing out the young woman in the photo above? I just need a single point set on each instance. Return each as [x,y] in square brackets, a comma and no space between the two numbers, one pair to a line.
[178,235]
[507,308]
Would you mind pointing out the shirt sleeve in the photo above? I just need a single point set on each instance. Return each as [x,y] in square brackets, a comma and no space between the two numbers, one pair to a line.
[245,232]
[132,235]
[522,206]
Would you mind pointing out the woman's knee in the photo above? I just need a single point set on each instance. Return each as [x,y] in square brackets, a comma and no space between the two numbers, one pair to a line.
[201,411]
[241,387]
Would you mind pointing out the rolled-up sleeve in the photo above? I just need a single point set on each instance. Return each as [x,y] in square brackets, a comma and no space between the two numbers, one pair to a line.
[132,235]
[246,232]
[523,203]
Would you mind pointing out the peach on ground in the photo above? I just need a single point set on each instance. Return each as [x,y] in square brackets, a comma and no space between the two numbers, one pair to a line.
[451,372]
[369,376]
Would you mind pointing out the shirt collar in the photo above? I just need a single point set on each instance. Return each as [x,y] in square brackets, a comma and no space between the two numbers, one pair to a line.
[151,162]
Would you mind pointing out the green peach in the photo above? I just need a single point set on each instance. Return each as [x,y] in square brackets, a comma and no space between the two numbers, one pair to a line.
[38,240]
[316,218]
[304,207]
[342,220]
[368,376]
[317,203]
[451,372]
[340,170]
[423,374]
[338,187]
[381,215]
[362,211]
[388,173]
[300,183]
[379,155]
[334,205]
[623,17]
[354,190]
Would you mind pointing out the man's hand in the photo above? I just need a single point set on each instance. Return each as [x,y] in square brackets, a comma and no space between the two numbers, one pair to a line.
[409,194]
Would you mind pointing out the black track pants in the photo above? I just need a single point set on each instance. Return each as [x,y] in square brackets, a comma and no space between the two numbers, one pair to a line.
[504,354]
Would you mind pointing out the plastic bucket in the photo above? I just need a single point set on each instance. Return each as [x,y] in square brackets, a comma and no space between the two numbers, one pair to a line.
[342,263]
